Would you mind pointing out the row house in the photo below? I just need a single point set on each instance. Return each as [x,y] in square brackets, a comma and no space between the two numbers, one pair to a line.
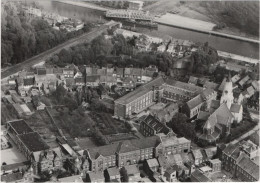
[241,160]
[198,103]
[139,99]
[151,126]
[131,152]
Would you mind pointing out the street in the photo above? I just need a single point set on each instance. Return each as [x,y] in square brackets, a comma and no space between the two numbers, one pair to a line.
[43,56]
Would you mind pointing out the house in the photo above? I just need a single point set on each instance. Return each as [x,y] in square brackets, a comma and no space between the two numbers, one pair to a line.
[255,84]
[112,174]
[171,174]
[108,80]
[210,152]
[95,177]
[197,176]
[132,171]
[151,166]
[127,83]
[193,80]
[235,78]
[215,165]
[119,72]
[202,101]
[79,81]
[92,81]
[250,90]
[237,111]
[243,81]
[165,114]
[151,126]
[38,104]
[197,155]
[73,178]
[247,170]
[161,48]
[211,85]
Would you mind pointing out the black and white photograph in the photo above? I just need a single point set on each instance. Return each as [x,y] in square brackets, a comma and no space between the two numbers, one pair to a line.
[130,91]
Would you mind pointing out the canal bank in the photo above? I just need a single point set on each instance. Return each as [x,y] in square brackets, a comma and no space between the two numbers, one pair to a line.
[173,20]
[86,14]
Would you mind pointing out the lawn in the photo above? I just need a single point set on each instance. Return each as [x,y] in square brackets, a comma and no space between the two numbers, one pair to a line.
[75,123]
[107,124]
[6,113]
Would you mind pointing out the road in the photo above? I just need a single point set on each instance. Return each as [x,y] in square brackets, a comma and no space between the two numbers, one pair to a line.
[43,56]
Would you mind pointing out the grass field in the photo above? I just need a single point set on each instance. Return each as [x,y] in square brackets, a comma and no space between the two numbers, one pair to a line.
[107,124]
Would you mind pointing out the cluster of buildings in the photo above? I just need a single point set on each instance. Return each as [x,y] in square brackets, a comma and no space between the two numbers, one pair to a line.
[64,23]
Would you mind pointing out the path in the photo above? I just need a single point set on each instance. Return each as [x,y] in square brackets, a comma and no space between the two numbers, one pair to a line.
[43,56]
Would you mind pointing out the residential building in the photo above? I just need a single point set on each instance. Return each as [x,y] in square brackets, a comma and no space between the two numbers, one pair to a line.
[150,126]
[171,174]
[247,170]
[95,177]
[133,172]
[197,155]
[112,175]
[73,178]
[197,176]
[201,101]
[92,81]
[151,166]
[243,81]
[215,165]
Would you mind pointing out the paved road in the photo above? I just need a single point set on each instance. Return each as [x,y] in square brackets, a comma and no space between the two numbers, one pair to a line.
[43,56]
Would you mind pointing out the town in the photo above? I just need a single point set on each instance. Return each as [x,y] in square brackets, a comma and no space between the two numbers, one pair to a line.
[127,106]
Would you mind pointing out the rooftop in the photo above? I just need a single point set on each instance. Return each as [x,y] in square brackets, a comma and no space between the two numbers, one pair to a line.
[200,176]
[20,126]
[140,91]
[33,141]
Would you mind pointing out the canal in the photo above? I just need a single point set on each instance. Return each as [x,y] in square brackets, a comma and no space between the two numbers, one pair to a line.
[220,43]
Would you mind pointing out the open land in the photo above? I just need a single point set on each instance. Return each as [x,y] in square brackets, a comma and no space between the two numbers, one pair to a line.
[230,13]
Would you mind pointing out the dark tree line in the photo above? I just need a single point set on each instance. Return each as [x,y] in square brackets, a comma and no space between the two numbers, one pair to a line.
[24,36]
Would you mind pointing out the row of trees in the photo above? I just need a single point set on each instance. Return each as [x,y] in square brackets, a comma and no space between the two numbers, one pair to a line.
[24,36]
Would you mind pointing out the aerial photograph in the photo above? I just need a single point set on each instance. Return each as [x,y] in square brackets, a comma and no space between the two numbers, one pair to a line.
[130,91]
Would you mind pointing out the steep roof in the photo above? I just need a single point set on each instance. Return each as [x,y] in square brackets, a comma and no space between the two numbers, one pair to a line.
[203,115]
[132,169]
[152,162]
[211,85]
[107,150]
[235,108]
[195,102]
[200,177]
[197,153]
[250,167]
[155,124]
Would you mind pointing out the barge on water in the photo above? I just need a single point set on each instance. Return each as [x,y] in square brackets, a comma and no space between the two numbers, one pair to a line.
[134,18]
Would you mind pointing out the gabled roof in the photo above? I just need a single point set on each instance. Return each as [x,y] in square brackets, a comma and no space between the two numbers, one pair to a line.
[152,162]
[215,104]
[195,102]
[230,149]
[197,153]
[211,85]
[113,171]
[28,81]
[222,85]
[250,167]
[203,115]
[107,150]
[193,80]
[200,177]
[132,169]
[156,125]
[235,108]
[95,176]
[92,78]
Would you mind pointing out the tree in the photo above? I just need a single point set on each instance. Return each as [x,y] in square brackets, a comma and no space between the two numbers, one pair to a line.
[124,175]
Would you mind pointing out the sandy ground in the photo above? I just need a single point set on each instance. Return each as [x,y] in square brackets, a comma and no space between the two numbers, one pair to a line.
[243,18]
[182,21]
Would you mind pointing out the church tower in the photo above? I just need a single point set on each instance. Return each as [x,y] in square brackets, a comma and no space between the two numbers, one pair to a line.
[227,95]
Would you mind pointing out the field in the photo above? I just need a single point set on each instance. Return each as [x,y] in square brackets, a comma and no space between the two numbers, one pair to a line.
[241,17]
[107,124]
[75,124]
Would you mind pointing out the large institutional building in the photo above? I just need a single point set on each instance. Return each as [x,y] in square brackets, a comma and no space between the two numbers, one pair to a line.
[166,91]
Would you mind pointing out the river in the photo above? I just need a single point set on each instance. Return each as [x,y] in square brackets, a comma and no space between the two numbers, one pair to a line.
[220,43]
